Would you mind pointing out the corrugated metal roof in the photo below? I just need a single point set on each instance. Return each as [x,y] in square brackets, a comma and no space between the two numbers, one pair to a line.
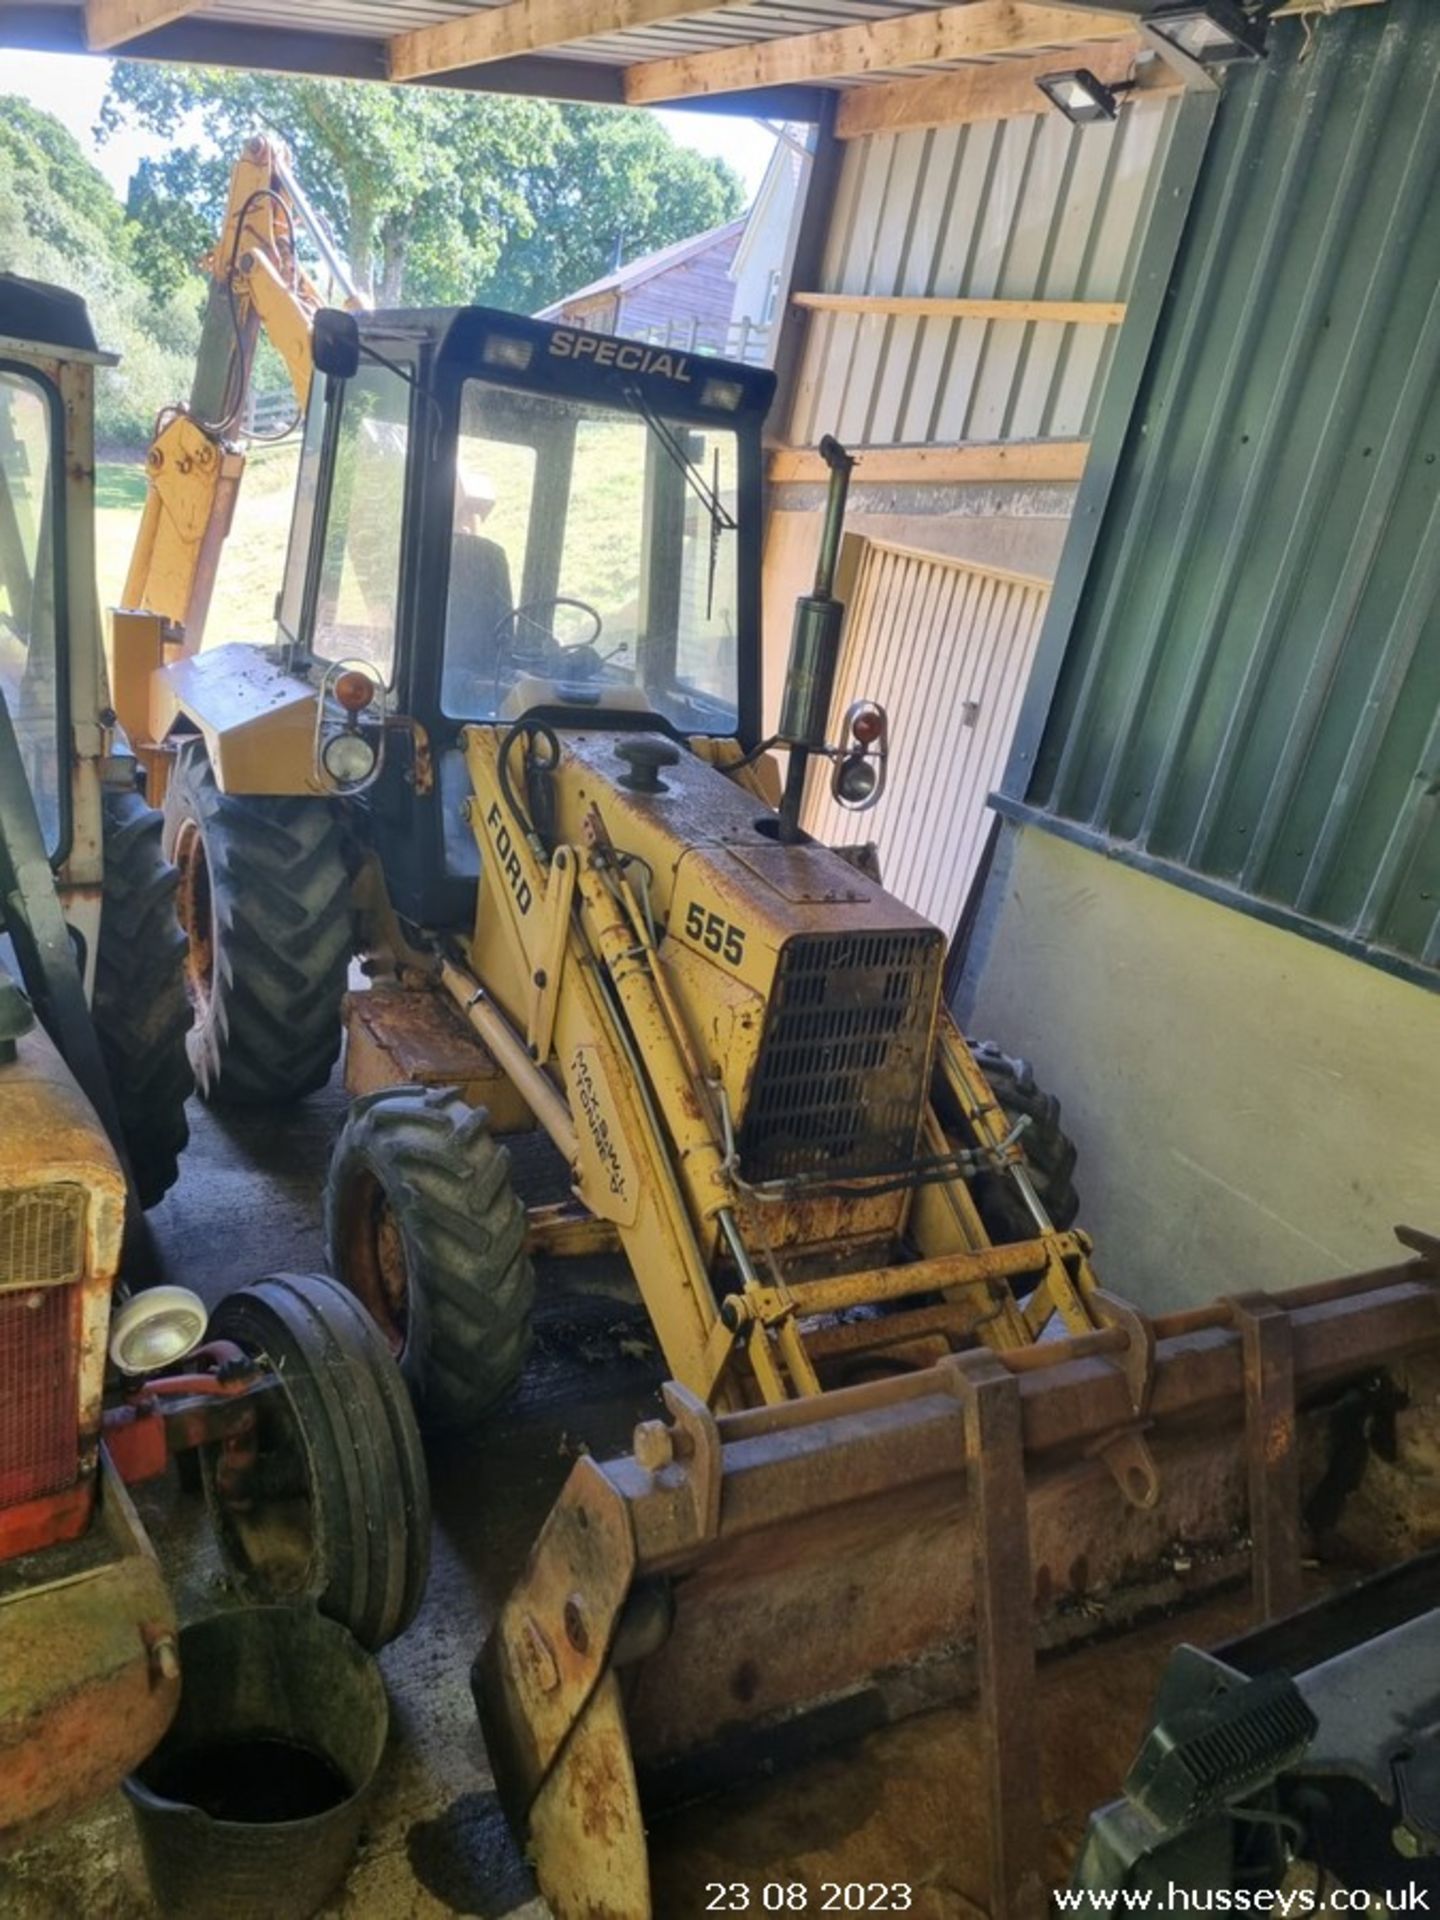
[1251,692]
[345,37]
[700,32]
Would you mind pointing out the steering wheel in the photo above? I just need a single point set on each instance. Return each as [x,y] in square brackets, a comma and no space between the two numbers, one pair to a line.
[579,656]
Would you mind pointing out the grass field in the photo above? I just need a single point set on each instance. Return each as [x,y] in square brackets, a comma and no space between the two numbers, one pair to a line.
[254,558]
[601,559]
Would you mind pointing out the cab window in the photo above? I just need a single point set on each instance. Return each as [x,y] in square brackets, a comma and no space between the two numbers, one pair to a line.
[594,562]
[359,592]
[30,665]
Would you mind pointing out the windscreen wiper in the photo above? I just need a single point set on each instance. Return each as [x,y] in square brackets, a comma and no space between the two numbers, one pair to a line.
[721,518]
[708,494]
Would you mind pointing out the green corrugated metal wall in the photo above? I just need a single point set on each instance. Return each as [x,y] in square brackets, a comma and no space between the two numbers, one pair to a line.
[1249,700]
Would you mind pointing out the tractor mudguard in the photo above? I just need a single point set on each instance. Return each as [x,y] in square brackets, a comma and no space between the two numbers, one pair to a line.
[257,721]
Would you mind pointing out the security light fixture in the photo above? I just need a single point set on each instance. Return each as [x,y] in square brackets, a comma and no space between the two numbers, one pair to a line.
[1212,33]
[1081,97]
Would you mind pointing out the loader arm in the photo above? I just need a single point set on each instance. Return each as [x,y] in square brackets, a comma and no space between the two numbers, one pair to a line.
[644,1054]
[196,461]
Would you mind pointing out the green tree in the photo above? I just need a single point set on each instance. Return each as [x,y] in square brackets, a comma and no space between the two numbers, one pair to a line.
[432,196]
[60,221]
[54,199]
[614,186]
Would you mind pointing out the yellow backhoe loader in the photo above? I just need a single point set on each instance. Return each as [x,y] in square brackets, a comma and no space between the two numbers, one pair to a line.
[508,747]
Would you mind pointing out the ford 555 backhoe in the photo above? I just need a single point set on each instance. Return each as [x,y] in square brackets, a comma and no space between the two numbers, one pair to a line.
[508,747]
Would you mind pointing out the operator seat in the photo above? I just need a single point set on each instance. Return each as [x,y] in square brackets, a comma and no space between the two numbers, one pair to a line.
[476,630]
[476,622]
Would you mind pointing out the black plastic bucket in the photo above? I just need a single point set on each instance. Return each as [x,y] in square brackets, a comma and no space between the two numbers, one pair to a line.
[252,1802]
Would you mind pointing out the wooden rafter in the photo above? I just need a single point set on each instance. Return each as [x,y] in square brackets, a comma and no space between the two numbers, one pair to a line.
[928,306]
[1003,90]
[982,30]
[110,23]
[1034,460]
[525,26]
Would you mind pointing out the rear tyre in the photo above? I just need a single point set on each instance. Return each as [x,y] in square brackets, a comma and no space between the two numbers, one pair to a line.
[1049,1151]
[337,1507]
[264,902]
[423,1225]
[140,1009]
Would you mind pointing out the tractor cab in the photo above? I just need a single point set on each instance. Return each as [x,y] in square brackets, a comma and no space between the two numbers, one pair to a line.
[499,518]
[51,673]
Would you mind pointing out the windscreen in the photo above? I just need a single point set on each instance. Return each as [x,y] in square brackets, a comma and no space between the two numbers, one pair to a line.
[594,562]
[29,654]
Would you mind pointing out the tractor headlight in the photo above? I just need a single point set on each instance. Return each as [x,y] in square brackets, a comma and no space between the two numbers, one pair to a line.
[155,1328]
[348,758]
[856,781]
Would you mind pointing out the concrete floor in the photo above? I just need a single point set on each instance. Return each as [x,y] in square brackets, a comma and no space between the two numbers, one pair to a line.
[247,1204]
[901,1806]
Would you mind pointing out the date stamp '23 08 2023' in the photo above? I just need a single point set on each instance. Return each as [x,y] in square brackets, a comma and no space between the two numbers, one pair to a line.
[795,1896]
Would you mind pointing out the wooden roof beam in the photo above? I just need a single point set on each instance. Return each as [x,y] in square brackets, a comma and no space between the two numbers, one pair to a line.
[525,26]
[1055,462]
[934,306]
[980,31]
[110,23]
[1005,90]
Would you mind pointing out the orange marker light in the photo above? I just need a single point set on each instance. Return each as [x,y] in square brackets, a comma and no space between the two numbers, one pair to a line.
[354,691]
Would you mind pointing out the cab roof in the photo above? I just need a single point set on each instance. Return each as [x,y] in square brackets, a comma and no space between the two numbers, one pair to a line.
[570,360]
[34,311]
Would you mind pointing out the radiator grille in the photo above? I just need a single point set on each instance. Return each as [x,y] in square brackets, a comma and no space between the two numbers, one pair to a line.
[42,1236]
[39,1410]
[844,1065]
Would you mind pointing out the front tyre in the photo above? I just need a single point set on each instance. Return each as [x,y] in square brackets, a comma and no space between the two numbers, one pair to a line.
[264,901]
[1049,1151]
[140,1008]
[336,1506]
[423,1225]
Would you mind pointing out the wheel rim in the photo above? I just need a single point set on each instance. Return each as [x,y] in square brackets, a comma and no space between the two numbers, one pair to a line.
[373,1250]
[270,1533]
[195,905]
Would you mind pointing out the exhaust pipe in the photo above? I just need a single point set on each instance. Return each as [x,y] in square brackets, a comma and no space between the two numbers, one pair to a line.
[814,648]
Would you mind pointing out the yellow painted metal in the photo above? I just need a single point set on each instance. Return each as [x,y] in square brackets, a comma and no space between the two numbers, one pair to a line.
[51,1142]
[257,722]
[415,1037]
[640,957]
[137,648]
[286,317]
[529,1080]
[194,479]
[195,466]
[625,1173]
[549,976]
[560,1233]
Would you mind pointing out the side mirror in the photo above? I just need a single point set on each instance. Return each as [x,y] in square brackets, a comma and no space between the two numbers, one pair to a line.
[335,343]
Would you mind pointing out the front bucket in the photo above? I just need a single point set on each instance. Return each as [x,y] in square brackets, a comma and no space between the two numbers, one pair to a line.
[252,1802]
[757,1587]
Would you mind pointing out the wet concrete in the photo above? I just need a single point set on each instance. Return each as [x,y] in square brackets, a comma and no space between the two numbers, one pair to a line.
[904,1807]
[248,1204]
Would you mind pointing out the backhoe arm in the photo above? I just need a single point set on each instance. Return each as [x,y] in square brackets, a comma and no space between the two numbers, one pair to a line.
[194,465]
